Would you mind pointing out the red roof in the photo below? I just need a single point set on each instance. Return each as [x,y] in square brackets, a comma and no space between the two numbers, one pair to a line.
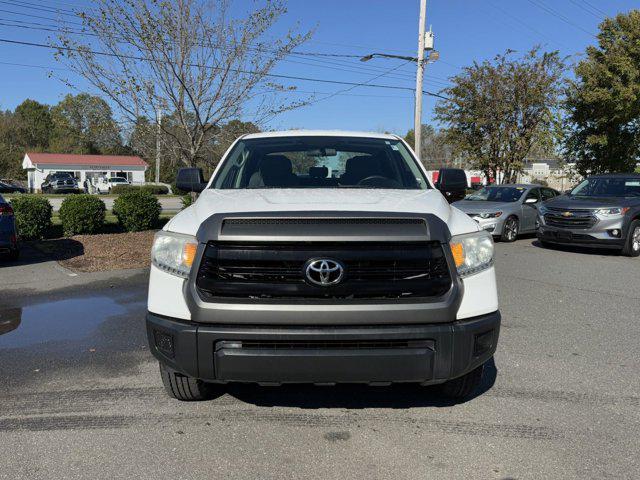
[72,159]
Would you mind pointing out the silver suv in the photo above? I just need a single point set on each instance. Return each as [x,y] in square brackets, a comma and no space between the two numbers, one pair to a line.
[603,211]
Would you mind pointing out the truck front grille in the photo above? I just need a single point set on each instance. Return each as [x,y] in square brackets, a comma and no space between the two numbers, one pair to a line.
[571,219]
[372,270]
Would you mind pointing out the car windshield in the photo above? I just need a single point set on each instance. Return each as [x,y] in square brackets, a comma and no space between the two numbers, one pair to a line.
[608,187]
[320,162]
[497,194]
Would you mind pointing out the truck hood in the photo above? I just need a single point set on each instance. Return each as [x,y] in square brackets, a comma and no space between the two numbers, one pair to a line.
[321,200]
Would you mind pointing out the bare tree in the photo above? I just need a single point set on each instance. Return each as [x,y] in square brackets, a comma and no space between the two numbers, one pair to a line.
[194,59]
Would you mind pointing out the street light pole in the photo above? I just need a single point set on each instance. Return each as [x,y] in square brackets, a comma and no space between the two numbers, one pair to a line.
[417,120]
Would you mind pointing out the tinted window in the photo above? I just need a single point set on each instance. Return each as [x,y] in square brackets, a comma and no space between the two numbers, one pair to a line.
[608,187]
[497,194]
[453,178]
[548,193]
[533,193]
[320,162]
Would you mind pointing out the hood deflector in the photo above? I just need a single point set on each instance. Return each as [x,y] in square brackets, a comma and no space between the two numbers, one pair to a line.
[323,226]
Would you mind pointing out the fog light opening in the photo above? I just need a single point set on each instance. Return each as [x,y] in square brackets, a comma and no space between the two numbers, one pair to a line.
[164,343]
[616,232]
[483,342]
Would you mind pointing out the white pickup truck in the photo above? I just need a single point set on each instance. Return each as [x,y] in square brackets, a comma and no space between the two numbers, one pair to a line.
[320,257]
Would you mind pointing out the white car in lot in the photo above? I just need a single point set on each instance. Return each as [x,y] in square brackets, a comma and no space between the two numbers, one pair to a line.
[320,257]
[104,185]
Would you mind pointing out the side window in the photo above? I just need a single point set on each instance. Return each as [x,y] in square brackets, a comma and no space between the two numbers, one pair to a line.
[533,193]
[547,193]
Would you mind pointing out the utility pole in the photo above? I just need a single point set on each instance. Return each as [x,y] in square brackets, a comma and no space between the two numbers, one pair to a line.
[417,121]
[158,138]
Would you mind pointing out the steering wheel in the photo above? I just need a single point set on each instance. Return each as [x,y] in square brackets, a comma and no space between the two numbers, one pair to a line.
[378,181]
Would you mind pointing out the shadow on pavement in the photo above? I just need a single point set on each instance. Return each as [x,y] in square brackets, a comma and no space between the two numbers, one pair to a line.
[605,252]
[354,396]
[40,251]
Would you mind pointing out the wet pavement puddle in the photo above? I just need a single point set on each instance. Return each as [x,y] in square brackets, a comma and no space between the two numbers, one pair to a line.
[62,320]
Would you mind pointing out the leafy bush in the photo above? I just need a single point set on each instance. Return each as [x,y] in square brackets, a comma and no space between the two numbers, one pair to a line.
[137,210]
[152,189]
[82,214]
[33,215]
[187,201]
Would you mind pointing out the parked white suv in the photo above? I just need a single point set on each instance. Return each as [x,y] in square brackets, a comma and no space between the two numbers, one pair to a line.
[104,185]
[320,257]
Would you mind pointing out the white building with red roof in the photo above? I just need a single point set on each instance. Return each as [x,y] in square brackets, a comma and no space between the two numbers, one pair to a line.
[83,167]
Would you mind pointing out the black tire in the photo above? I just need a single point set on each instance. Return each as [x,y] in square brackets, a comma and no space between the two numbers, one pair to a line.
[14,255]
[632,245]
[510,230]
[464,386]
[185,388]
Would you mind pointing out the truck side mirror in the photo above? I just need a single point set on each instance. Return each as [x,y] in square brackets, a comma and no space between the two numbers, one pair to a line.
[190,180]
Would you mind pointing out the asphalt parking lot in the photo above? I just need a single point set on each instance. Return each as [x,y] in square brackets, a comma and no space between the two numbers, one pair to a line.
[81,396]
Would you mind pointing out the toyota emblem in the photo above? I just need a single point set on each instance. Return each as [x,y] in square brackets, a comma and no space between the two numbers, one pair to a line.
[324,272]
[567,214]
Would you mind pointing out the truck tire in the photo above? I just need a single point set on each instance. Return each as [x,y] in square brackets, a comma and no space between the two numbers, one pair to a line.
[185,388]
[464,386]
[632,245]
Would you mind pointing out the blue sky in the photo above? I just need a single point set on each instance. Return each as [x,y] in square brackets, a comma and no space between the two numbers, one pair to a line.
[466,31]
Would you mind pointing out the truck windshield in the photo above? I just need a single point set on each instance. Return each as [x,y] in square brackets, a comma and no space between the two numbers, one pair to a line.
[608,187]
[320,162]
[497,194]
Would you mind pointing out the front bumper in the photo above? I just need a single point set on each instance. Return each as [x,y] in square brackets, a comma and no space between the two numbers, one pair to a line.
[580,238]
[427,354]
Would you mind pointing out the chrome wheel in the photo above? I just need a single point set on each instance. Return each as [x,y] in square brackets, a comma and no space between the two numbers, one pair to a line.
[635,240]
[511,229]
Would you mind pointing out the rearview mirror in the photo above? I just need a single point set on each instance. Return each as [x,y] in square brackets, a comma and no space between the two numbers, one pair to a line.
[190,180]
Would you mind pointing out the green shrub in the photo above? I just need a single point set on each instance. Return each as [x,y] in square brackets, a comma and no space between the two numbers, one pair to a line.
[82,214]
[33,215]
[152,189]
[118,189]
[137,210]
[187,201]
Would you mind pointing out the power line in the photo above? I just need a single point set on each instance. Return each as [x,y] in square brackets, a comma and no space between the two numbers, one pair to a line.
[274,75]
[603,13]
[559,16]
[319,63]
[585,9]
[523,23]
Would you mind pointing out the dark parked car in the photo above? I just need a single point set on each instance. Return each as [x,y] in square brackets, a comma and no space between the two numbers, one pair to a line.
[8,234]
[603,211]
[452,182]
[8,187]
[60,182]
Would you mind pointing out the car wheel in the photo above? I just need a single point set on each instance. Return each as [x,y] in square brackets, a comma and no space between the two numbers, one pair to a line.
[14,255]
[510,230]
[464,386]
[185,388]
[632,246]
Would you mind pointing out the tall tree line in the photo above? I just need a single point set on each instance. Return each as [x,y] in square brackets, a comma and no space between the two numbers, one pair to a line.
[77,124]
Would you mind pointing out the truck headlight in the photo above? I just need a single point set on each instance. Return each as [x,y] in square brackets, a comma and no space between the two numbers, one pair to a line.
[611,212]
[174,253]
[472,252]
